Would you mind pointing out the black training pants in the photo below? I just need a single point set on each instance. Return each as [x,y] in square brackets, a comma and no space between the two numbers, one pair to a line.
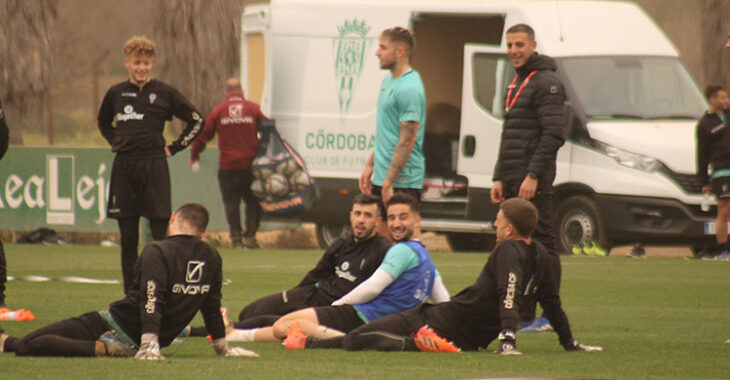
[235,185]
[281,303]
[129,233]
[543,201]
[71,337]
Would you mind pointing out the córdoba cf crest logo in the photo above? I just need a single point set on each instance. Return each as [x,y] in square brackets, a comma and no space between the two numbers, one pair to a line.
[350,50]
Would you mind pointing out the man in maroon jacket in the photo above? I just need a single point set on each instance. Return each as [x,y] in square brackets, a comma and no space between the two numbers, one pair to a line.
[236,121]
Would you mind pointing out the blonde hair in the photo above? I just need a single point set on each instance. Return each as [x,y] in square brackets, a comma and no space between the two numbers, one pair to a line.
[402,35]
[139,45]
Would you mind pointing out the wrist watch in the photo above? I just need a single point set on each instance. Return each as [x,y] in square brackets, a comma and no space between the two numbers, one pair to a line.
[532,175]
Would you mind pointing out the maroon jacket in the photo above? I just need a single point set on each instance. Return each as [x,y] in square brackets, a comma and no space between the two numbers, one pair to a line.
[236,121]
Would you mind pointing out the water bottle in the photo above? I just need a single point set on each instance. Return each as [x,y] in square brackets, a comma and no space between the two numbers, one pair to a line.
[705,205]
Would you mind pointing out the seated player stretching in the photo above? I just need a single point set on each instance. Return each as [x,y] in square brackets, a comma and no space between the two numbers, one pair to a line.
[406,278]
[174,278]
[479,314]
[346,263]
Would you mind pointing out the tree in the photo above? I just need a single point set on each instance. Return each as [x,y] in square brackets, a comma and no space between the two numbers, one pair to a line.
[27,46]
[198,46]
[716,27]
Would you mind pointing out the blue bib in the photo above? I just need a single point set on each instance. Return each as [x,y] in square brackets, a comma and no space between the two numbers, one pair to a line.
[409,290]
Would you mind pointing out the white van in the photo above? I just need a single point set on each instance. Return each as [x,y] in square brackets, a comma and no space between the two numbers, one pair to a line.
[624,175]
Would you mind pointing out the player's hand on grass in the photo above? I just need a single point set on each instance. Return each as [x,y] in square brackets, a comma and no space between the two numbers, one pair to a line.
[221,348]
[507,343]
[507,348]
[575,346]
[149,355]
[149,348]
[240,352]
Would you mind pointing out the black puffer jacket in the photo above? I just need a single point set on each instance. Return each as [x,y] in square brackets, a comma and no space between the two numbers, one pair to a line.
[533,128]
[713,144]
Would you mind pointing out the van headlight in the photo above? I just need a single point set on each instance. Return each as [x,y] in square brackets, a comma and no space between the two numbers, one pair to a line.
[631,160]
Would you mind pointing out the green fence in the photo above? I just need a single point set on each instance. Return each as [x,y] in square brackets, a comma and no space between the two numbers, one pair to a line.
[66,188]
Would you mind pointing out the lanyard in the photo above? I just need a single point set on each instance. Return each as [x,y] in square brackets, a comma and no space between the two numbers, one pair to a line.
[507,104]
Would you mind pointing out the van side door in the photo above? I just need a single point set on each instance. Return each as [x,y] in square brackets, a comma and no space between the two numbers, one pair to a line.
[486,71]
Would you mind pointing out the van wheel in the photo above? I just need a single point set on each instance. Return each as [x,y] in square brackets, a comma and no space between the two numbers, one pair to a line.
[465,242]
[577,221]
[327,233]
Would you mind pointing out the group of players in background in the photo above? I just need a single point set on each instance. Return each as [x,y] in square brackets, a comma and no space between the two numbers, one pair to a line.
[370,288]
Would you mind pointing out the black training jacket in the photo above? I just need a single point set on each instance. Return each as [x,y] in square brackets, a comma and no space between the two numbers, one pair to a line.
[713,144]
[132,119]
[174,278]
[344,265]
[533,129]
[513,271]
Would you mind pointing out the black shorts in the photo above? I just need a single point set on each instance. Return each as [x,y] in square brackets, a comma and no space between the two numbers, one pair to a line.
[721,187]
[139,188]
[281,303]
[342,318]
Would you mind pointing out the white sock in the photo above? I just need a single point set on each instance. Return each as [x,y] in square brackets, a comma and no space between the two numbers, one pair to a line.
[241,335]
[3,338]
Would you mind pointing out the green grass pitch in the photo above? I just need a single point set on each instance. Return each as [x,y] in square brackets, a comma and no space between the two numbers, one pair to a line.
[655,318]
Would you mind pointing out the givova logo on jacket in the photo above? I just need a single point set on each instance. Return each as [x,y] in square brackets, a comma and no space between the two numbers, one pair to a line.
[193,275]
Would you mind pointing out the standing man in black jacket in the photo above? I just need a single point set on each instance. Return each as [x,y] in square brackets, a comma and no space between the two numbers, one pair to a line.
[481,313]
[174,279]
[713,147]
[132,118]
[531,136]
[4,139]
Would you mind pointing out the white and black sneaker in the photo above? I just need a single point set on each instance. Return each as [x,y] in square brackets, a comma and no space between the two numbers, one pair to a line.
[115,347]
[637,252]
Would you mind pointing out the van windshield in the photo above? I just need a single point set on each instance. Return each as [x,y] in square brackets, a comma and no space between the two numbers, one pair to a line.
[634,87]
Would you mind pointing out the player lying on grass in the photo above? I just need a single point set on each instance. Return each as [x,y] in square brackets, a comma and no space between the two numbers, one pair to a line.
[346,263]
[479,314]
[406,278]
[174,278]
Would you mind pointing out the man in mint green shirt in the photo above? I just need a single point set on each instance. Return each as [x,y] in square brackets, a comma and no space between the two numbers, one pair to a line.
[397,164]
